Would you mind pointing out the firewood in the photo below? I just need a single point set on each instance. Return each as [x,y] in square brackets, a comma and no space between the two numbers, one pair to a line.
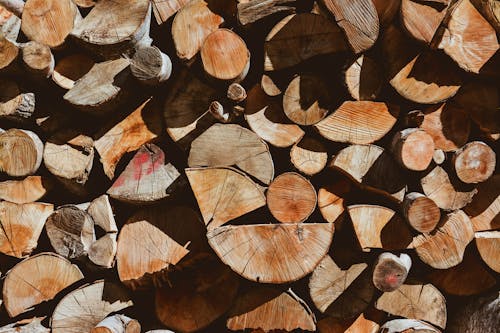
[26,222]
[489,8]
[484,210]
[216,109]
[102,252]
[227,145]
[408,325]
[379,227]
[358,122]
[488,244]
[421,212]
[233,243]
[70,69]
[309,156]
[267,119]
[471,44]
[37,279]
[358,19]
[269,86]
[415,301]
[236,93]
[445,247]
[422,19]
[283,45]
[10,24]
[390,271]
[83,308]
[189,35]
[16,7]
[291,198]
[151,66]
[30,189]
[99,90]
[85,3]
[223,194]
[270,309]
[447,195]
[477,314]
[331,199]
[15,104]
[26,326]
[439,156]
[102,213]
[21,152]
[117,324]
[38,59]
[386,10]
[475,162]
[367,322]
[8,52]
[147,177]
[413,149]
[364,78]
[252,11]
[140,127]
[163,10]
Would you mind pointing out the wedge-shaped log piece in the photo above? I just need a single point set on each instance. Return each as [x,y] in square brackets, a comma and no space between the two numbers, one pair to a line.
[21,152]
[490,10]
[117,324]
[307,243]
[252,11]
[390,271]
[102,213]
[163,10]
[416,301]
[83,308]
[147,178]
[30,189]
[269,310]
[488,244]
[15,104]
[367,322]
[445,247]
[309,156]
[102,252]
[475,162]
[33,325]
[23,221]
[223,194]
[37,279]
[422,19]
[284,45]
[70,69]
[364,78]
[408,325]
[358,122]
[227,145]
[331,199]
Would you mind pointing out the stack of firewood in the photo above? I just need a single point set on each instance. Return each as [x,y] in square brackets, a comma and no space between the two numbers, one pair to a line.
[253,165]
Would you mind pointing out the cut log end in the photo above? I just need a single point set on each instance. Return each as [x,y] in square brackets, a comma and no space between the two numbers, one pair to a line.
[309,156]
[475,162]
[151,66]
[70,69]
[39,59]
[390,271]
[413,148]
[421,212]
[21,152]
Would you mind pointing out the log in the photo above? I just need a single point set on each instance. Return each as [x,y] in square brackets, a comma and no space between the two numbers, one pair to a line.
[413,149]
[408,325]
[387,10]
[223,194]
[490,10]
[10,24]
[484,209]
[29,189]
[445,247]
[291,198]
[253,11]
[283,45]
[439,156]
[26,222]
[475,162]
[21,152]
[38,60]
[422,19]
[16,7]
[359,122]
[8,51]
[101,212]
[415,301]
[236,92]
[488,244]
[151,66]
[117,324]
[269,310]
[216,109]
[368,322]
[476,315]
[421,212]
[102,252]
[70,69]
[146,179]
[163,10]
[37,279]
[266,241]
[83,308]
[14,104]
[309,156]
[85,3]
[364,78]
[26,326]
[269,86]
[331,199]
[390,271]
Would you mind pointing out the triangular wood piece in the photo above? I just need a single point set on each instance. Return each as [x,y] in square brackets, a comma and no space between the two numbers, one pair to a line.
[367,322]
[488,244]
[33,325]
[102,214]
[30,189]
[484,210]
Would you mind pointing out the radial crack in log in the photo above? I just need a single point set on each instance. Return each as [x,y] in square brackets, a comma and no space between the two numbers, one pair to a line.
[309,156]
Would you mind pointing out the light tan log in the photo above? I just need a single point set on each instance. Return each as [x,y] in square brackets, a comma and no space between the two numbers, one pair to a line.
[236,92]
[415,301]
[270,310]
[140,127]
[475,162]
[367,322]
[269,86]
[10,24]
[26,222]
[151,66]
[228,145]
[70,69]
[21,152]
[29,189]
[38,59]
[8,51]
[476,314]
[331,199]
[26,326]
[83,308]
[16,7]
[422,19]
[117,324]
[490,10]
[439,156]
[445,248]
[364,78]
[390,271]
[233,243]
[146,179]
[386,10]
[488,244]
[421,212]
[359,122]
[102,214]
[253,11]
[413,149]
[282,48]
[15,104]
[484,210]
[37,279]
[163,10]
[408,325]
[291,198]
[189,36]
[309,156]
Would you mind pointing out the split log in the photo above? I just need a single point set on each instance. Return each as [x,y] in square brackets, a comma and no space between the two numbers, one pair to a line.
[477,314]
[37,279]
[422,19]
[269,310]
[117,324]
[21,152]
[10,24]
[236,92]
[14,6]
[283,45]
[70,231]
[488,244]
[390,271]
[439,156]
[468,38]
[189,36]
[484,210]
[146,179]
[223,194]
[416,301]
[386,10]
[83,308]
[216,109]
[447,195]
[358,19]
[291,198]
[102,214]
[227,145]
[331,199]
[8,52]
[445,247]
[255,10]
[408,325]
[70,69]
[38,60]
[364,78]
[163,10]
[379,227]
[368,322]
[490,10]
[359,122]
[102,252]
[26,326]
[151,66]
[26,222]
[309,156]
[269,86]
[15,104]
[30,189]
[475,162]
[413,149]
[140,127]
[266,243]
[421,212]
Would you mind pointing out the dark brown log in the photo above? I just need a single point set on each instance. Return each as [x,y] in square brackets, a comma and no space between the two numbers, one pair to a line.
[236,93]
[484,210]
[476,315]
[15,104]
[386,10]
[475,162]
[421,212]
[390,271]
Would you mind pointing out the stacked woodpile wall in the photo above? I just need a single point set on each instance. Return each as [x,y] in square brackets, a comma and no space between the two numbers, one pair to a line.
[249,165]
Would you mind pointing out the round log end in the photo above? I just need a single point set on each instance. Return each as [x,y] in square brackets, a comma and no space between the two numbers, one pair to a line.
[475,162]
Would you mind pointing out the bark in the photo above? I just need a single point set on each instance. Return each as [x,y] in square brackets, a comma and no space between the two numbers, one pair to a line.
[253,11]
